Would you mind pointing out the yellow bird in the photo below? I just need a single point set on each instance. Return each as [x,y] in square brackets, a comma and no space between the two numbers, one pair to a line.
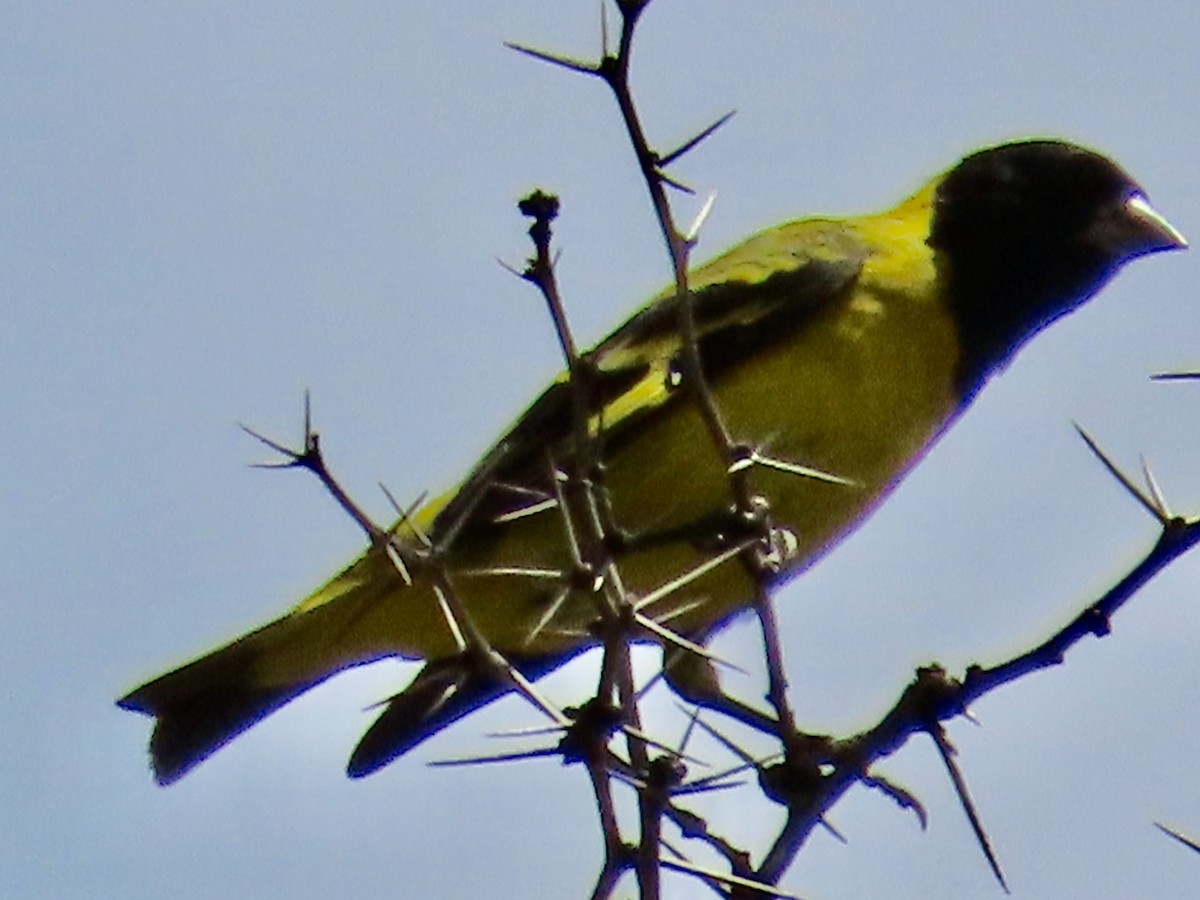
[844,345]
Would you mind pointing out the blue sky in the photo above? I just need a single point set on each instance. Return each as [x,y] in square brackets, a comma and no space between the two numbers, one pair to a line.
[207,208]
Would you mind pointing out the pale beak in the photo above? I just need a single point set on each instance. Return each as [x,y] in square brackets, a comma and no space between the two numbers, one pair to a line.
[1150,231]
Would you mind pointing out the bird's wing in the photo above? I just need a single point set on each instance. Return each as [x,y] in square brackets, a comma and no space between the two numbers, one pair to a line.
[749,298]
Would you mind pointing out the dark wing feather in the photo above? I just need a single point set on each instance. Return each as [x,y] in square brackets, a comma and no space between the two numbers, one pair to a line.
[442,693]
[758,294]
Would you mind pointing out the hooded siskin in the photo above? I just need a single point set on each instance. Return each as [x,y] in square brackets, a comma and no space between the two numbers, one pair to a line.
[846,345]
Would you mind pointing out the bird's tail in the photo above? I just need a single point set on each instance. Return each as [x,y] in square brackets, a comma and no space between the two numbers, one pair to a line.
[204,705]
[361,615]
[364,614]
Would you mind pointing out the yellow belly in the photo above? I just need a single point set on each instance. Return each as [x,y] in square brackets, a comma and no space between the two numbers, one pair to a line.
[861,396]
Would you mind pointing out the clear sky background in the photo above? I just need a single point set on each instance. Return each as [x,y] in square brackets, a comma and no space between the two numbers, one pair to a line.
[206,208]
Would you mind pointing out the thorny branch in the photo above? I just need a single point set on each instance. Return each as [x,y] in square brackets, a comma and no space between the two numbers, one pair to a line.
[812,772]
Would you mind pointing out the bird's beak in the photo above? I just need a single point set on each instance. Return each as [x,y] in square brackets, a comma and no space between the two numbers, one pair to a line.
[1159,233]
[1136,228]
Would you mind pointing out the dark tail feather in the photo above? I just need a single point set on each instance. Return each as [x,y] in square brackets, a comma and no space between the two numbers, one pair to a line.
[189,731]
[441,694]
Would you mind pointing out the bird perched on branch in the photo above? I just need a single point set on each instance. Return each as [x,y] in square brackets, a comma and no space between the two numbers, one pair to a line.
[838,349]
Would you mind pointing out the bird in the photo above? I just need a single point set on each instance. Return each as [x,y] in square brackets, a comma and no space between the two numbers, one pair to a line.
[838,350]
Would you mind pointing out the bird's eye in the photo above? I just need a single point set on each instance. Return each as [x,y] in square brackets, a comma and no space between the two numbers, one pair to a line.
[674,375]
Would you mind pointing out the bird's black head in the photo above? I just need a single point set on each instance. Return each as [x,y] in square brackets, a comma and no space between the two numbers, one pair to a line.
[1028,231]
